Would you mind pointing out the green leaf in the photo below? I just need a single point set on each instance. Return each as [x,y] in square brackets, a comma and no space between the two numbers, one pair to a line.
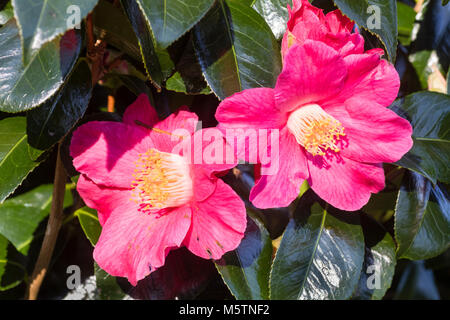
[429,115]
[422,62]
[107,286]
[47,124]
[240,52]
[169,20]
[11,272]
[16,160]
[6,14]
[417,283]
[422,218]
[384,258]
[275,13]
[189,78]
[89,223]
[406,17]
[444,2]
[177,83]
[111,24]
[41,21]
[25,86]
[20,216]
[3,255]
[320,256]
[157,61]
[246,269]
[378,270]
[366,13]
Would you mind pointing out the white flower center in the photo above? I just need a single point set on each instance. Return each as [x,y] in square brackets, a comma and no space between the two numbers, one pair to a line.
[162,180]
[315,130]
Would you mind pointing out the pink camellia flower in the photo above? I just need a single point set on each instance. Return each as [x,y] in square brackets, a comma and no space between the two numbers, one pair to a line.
[150,199]
[335,129]
[307,22]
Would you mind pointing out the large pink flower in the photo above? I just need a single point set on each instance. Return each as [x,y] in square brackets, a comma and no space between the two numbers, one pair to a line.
[335,129]
[151,199]
[307,22]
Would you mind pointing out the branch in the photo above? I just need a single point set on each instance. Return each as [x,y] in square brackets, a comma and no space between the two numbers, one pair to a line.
[51,233]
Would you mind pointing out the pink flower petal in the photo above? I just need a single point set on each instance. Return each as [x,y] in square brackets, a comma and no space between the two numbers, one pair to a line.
[311,73]
[345,43]
[170,132]
[345,184]
[103,199]
[106,152]
[374,134]
[141,110]
[283,186]
[250,109]
[133,244]
[338,23]
[369,79]
[218,223]
[203,182]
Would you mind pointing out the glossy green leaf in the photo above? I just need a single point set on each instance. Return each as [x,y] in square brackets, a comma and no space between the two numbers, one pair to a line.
[6,14]
[188,77]
[3,255]
[25,86]
[16,156]
[89,222]
[157,61]
[112,24]
[178,84]
[107,286]
[422,62]
[246,269]
[47,124]
[384,258]
[240,52]
[41,21]
[11,272]
[20,216]
[406,17]
[422,218]
[170,20]
[275,13]
[320,256]
[378,270]
[417,283]
[429,114]
[377,16]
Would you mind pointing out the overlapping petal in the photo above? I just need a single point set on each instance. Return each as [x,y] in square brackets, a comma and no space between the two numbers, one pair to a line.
[106,152]
[132,243]
[345,184]
[312,72]
[374,134]
[279,185]
[218,223]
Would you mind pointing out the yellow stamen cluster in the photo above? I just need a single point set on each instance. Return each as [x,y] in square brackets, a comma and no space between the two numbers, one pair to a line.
[315,130]
[161,180]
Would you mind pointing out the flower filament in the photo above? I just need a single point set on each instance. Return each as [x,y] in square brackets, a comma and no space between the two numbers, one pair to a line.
[161,180]
[315,130]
